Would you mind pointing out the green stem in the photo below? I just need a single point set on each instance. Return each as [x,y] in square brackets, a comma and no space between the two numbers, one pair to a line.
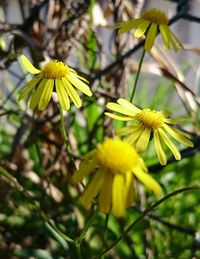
[137,75]
[87,226]
[64,135]
[154,205]
[21,189]
[78,249]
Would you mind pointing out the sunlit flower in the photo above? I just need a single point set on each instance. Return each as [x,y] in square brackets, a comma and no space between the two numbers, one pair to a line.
[147,25]
[54,75]
[115,164]
[145,122]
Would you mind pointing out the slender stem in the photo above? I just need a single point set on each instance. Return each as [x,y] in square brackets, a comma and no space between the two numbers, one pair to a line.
[137,74]
[106,226]
[154,205]
[78,249]
[87,226]
[21,189]
[64,135]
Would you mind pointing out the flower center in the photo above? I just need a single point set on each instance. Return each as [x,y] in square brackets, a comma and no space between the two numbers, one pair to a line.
[151,119]
[117,156]
[55,70]
[155,16]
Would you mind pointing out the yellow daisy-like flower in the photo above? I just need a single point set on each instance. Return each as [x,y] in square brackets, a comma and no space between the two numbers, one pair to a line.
[145,122]
[115,164]
[54,74]
[147,25]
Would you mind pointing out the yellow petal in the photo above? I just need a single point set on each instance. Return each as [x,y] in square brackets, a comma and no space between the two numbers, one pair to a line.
[28,66]
[93,188]
[118,108]
[126,130]
[164,36]
[150,37]
[118,117]
[28,87]
[127,26]
[118,196]
[72,93]
[142,28]
[180,44]
[182,133]
[170,38]
[37,94]
[170,144]
[179,136]
[160,153]
[143,140]
[62,94]
[149,182]
[126,104]
[79,84]
[175,120]
[136,134]
[46,95]
[105,194]
[85,168]
[129,187]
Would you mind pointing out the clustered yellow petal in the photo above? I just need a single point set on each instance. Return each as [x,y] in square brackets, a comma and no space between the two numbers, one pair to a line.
[114,164]
[150,22]
[54,75]
[146,122]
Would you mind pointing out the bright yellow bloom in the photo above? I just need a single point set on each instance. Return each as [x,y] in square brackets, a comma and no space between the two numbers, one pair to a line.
[54,74]
[115,164]
[145,122]
[147,25]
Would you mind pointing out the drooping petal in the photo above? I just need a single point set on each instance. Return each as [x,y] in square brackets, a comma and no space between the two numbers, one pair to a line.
[126,104]
[164,36]
[142,27]
[105,194]
[46,94]
[143,140]
[89,155]
[118,108]
[149,182]
[93,188]
[28,87]
[179,136]
[79,84]
[28,66]
[168,33]
[118,196]
[129,188]
[177,40]
[159,150]
[170,144]
[118,117]
[37,94]
[72,93]
[85,168]
[62,94]
[127,25]
[150,37]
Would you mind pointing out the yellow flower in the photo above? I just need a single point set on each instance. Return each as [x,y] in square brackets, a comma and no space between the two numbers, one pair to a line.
[145,122]
[115,164]
[147,25]
[54,74]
